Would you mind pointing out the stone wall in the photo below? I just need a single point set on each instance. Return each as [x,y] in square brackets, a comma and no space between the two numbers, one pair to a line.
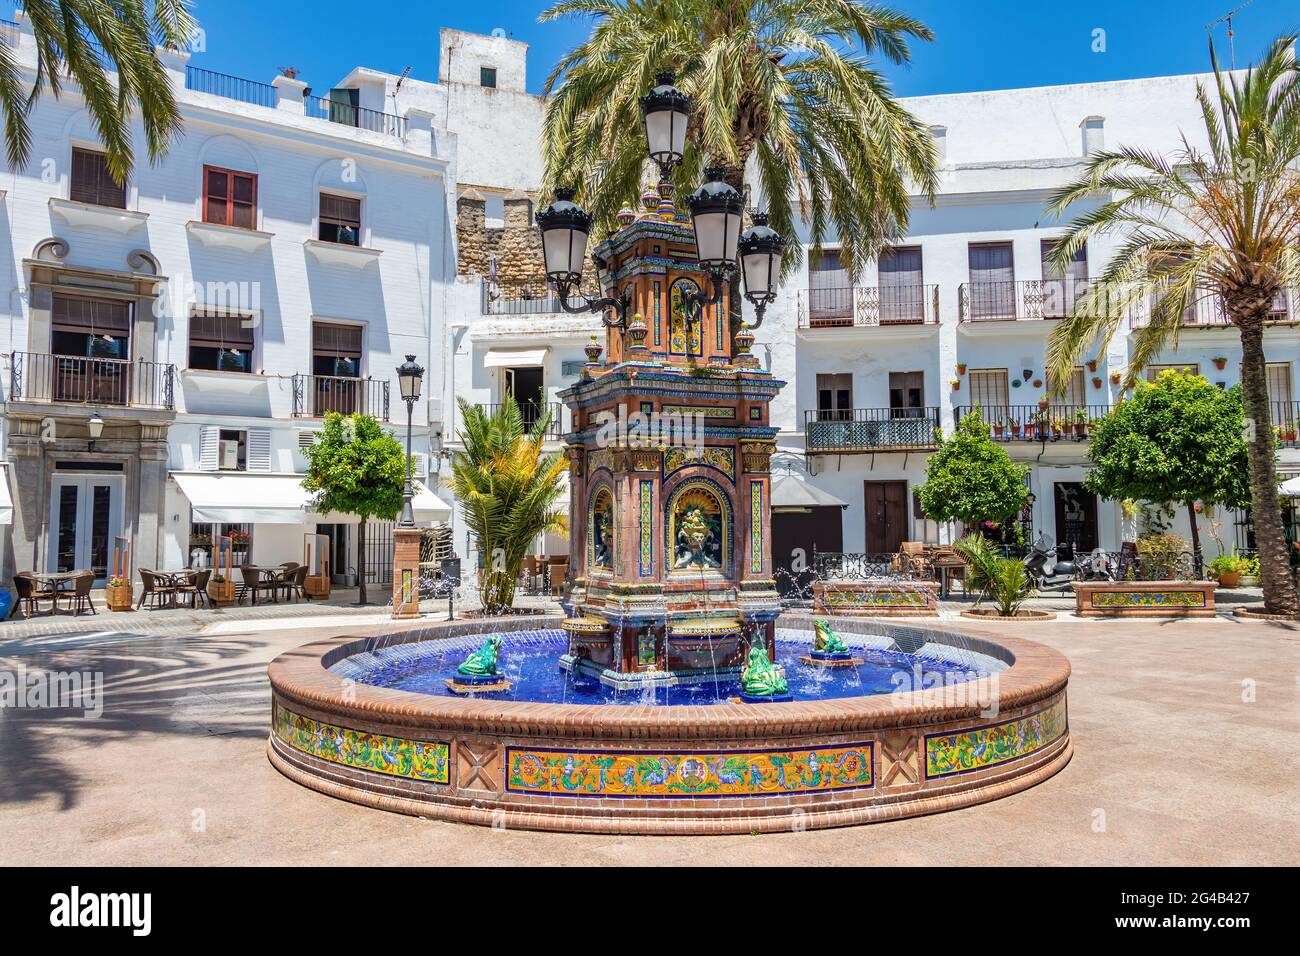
[517,246]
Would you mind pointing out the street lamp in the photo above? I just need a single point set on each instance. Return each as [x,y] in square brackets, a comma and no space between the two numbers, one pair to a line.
[409,376]
[760,248]
[666,111]
[95,427]
[716,212]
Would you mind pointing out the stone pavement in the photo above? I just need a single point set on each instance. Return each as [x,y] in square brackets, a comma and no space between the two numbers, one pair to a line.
[1184,736]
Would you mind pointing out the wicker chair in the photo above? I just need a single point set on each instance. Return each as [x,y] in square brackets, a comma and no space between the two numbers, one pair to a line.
[195,587]
[153,590]
[31,593]
[293,581]
[255,583]
[79,597]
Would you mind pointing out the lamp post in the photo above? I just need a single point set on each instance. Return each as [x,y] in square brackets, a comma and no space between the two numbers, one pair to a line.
[716,208]
[409,376]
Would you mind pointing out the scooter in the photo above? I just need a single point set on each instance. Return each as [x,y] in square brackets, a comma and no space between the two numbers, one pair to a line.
[1044,570]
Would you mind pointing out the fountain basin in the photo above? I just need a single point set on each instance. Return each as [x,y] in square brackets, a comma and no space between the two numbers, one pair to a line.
[635,768]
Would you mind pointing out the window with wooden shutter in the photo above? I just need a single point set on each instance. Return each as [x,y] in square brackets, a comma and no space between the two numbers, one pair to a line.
[90,327]
[209,447]
[340,219]
[988,390]
[902,298]
[221,342]
[992,280]
[835,396]
[1062,290]
[1076,394]
[830,290]
[229,197]
[1277,378]
[906,394]
[336,349]
[91,181]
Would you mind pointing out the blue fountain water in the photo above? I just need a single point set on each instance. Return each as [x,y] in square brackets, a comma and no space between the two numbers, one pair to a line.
[529,661]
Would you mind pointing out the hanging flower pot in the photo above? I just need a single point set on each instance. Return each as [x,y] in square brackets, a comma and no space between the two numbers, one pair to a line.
[1220,362]
[1115,378]
[961,368]
[956,384]
[1096,381]
[1092,365]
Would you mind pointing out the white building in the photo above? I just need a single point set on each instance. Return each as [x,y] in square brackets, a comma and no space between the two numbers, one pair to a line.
[278,264]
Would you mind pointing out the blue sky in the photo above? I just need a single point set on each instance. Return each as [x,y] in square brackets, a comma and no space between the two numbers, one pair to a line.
[990,45]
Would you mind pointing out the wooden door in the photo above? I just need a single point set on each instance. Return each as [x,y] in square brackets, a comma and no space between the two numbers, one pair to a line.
[886,513]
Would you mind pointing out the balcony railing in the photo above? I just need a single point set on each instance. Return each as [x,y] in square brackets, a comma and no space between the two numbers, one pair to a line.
[1011,423]
[9,33]
[1208,311]
[853,430]
[868,306]
[519,297]
[230,87]
[77,380]
[532,413]
[315,396]
[1285,417]
[1028,299]
[348,115]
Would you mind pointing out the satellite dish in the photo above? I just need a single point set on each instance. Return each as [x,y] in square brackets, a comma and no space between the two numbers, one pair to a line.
[499,33]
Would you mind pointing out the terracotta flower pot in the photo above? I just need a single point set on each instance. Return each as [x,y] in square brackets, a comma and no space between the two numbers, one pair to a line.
[1229,579]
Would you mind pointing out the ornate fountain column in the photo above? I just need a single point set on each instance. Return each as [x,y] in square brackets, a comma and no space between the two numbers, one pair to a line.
[670,527]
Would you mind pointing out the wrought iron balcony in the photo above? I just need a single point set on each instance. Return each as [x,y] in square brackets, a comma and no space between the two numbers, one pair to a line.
[1209,312]
[861,430]
[315,396]
[1028,299]
[78,380]
[346,114]
[1060,422]
[318,107]
[519,297]
[1285,417]
[867,306]
[532,413]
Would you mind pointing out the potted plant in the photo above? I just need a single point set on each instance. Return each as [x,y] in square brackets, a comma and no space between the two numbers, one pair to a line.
[1220,362]
[117,594]
[1290,434]
[1250,576]
[997,429]
[956,384]
[1116,377]
[1080,422]
[1227,569]
[961,368]
[1096,381]
[221,590]
[1014,425]
[1092,365]
[1058,427]
[1043,401]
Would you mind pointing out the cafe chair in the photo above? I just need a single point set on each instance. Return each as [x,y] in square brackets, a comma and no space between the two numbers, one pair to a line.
[79,597]
[255,583]
[196,587]
[30,592]
[154,590]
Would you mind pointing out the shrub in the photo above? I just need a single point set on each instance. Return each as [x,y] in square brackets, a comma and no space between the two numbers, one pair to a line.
[1163,557]
[1009,585]
[1228,564]
[982,558]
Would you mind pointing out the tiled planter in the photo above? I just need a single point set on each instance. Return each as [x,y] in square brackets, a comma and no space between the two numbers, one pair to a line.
[877,598]
[1144,598]
[727,768]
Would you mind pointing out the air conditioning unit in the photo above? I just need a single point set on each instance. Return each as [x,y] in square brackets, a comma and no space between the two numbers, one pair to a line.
[228,456]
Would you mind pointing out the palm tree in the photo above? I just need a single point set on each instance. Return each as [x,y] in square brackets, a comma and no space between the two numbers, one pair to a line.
[785,83]
[1222,225]
[86,41]
[507,490]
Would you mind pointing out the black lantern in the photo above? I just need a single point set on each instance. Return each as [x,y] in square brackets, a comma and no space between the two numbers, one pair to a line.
[409,377]
[565,227]
[666,111]
[716,209]
[760,248]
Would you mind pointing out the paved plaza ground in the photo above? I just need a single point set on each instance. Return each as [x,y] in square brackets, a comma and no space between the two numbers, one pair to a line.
[1184,735]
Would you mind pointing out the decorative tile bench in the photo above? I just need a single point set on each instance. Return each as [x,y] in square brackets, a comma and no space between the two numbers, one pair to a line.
[1144,598]
[877,598]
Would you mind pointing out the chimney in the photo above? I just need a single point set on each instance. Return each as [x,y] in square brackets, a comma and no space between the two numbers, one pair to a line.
[1093,134]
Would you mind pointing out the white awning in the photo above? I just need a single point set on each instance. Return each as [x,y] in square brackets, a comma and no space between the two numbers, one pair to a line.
[244,498]
[791,491]
[428,506]
[514,358]
[6,499]
[1291,487]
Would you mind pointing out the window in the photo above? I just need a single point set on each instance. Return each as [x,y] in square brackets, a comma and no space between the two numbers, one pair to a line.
[902,298]
[1153,371]
[835,396]
[229,198]
[830,291]
[487,77]
[340,219]
[335,363]
[1277,378]
[988,390]
[992,281]
[91,328]
[906,394]
[232,450]
[221,342]
[1062,290]
[1076,394]
[91,181]
[202,535]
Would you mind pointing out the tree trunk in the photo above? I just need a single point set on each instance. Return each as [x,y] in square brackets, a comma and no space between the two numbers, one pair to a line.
[1196,537]
[361,560]
[1280,595]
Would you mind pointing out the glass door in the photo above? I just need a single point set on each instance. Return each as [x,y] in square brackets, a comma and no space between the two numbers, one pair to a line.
[85,517]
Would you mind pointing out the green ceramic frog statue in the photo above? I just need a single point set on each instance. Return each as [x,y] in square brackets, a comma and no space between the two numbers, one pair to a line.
[825,641]
[483,662]
[761,678]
